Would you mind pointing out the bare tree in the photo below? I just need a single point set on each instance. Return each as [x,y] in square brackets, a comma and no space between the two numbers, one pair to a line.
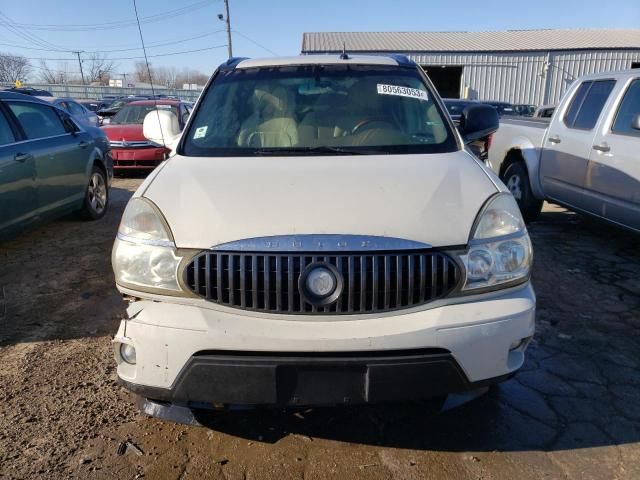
[190,77]
[165,76]
[99,68]
[13,67]
[141,73]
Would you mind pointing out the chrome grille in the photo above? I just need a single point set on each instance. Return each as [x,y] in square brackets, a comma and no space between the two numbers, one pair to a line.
[131,144]
[373,282]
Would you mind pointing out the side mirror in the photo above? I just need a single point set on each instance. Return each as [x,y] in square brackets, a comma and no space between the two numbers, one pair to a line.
[161,125]
[478,121]
[105,121]
[635,122]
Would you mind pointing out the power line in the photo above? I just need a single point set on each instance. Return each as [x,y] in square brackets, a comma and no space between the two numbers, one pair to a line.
[169,14]
[32,39]
[161,44]
[256,43]
[135,58]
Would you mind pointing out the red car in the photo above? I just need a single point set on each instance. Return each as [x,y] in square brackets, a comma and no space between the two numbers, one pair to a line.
[129,147]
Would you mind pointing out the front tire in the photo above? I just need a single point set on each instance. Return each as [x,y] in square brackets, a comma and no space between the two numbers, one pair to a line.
[96,199]
[516,178]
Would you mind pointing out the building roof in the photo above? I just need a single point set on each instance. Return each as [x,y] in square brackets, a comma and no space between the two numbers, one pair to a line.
[504,41]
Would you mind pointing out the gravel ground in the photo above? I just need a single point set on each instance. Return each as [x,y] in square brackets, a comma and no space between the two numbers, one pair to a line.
[572,412]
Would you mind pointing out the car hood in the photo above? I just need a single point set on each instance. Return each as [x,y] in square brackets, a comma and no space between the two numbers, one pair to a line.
[432,199]
[128,132]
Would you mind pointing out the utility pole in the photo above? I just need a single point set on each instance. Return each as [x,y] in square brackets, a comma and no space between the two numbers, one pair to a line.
[124,76]
[78,52]
[228,19]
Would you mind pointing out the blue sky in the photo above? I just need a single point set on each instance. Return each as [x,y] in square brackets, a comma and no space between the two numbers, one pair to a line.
[277,25]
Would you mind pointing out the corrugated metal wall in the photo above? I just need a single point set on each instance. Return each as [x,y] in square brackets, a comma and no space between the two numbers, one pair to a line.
[565,67]
[521,77]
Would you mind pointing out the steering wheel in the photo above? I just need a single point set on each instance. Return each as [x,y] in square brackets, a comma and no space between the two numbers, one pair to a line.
[366,122]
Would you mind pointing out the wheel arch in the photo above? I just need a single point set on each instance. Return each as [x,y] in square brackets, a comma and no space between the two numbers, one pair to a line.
[527,154]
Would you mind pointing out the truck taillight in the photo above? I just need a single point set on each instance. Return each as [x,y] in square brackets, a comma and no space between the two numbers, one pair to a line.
[488,142]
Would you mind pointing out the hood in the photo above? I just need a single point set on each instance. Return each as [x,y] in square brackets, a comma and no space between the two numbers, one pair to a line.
[128,132]
[432,199]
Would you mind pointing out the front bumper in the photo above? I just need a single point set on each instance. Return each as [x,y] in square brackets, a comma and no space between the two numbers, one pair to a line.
[138,158]
[195,354]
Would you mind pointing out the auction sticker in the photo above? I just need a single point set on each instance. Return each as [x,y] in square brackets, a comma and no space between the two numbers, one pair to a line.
[402,91]
[200,132]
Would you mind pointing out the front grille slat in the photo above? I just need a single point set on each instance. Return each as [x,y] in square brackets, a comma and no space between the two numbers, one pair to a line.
[372,282]
[219,276]
[207,275]
[290,274]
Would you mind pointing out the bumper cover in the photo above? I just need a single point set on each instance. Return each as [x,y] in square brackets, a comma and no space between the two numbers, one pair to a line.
[298,380]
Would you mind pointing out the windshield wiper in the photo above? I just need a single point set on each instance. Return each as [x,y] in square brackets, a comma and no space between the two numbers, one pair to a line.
[323,150]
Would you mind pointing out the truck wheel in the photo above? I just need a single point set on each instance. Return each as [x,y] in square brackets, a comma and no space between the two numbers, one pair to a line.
[516,178]
[96,197]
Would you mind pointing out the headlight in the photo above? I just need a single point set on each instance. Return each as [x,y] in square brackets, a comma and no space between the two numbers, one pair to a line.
[499,249]
[144,254]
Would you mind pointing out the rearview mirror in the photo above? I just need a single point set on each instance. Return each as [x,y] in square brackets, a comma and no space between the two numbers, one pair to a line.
[161,127]
[635,122]
[478,121]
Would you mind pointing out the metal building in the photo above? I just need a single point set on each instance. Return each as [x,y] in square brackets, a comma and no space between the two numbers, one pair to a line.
[518,66]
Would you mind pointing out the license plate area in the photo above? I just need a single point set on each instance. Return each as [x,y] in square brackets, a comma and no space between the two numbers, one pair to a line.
[321,385]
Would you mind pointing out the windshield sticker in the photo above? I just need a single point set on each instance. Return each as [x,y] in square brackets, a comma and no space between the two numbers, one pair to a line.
[164,107]
[402,91]
[200,132]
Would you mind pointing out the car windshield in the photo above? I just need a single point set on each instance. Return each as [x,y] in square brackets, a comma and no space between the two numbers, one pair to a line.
[331,109]
[136,113]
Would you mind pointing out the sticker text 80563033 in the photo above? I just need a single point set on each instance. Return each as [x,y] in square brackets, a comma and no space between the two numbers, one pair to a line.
[402,91]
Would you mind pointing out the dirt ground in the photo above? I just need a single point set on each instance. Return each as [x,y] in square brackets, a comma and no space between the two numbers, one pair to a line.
[573,411]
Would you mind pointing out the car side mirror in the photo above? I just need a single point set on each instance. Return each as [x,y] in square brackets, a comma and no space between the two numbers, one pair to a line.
[635,122]
[105,121]
[478,121]
[161,127]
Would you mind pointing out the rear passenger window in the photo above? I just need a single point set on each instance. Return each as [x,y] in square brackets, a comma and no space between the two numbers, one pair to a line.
[6,134]
[75,109]
[588,108]
[578,98]
[629,108]
[37,121]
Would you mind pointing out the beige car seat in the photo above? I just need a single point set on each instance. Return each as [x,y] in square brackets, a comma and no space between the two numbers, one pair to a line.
[321,123]
[272,124]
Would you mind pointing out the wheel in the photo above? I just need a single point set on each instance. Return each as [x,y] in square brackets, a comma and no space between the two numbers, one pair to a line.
[516,178]
[96,198]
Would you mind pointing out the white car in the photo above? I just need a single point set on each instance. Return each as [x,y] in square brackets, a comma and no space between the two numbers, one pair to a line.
[320,237]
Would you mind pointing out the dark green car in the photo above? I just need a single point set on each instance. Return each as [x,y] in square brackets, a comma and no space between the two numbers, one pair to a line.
[49,165]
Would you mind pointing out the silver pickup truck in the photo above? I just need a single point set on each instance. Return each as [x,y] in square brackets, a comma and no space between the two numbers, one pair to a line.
[587,157]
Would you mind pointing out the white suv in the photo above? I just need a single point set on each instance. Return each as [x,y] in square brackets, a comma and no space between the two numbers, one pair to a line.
[321,236]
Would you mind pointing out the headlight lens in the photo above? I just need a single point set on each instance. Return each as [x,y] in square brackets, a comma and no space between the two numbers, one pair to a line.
[500,249]
[144,254]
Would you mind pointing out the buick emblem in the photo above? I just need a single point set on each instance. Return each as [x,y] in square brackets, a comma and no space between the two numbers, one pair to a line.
[320,283]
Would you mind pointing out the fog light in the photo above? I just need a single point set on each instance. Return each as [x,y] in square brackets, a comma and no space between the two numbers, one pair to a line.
[128,353]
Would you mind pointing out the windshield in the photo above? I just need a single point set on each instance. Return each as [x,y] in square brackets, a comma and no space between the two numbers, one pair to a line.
[331,109]
[136,113]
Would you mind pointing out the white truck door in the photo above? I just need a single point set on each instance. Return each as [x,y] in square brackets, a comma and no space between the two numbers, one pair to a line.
[612,182]
[567,146]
